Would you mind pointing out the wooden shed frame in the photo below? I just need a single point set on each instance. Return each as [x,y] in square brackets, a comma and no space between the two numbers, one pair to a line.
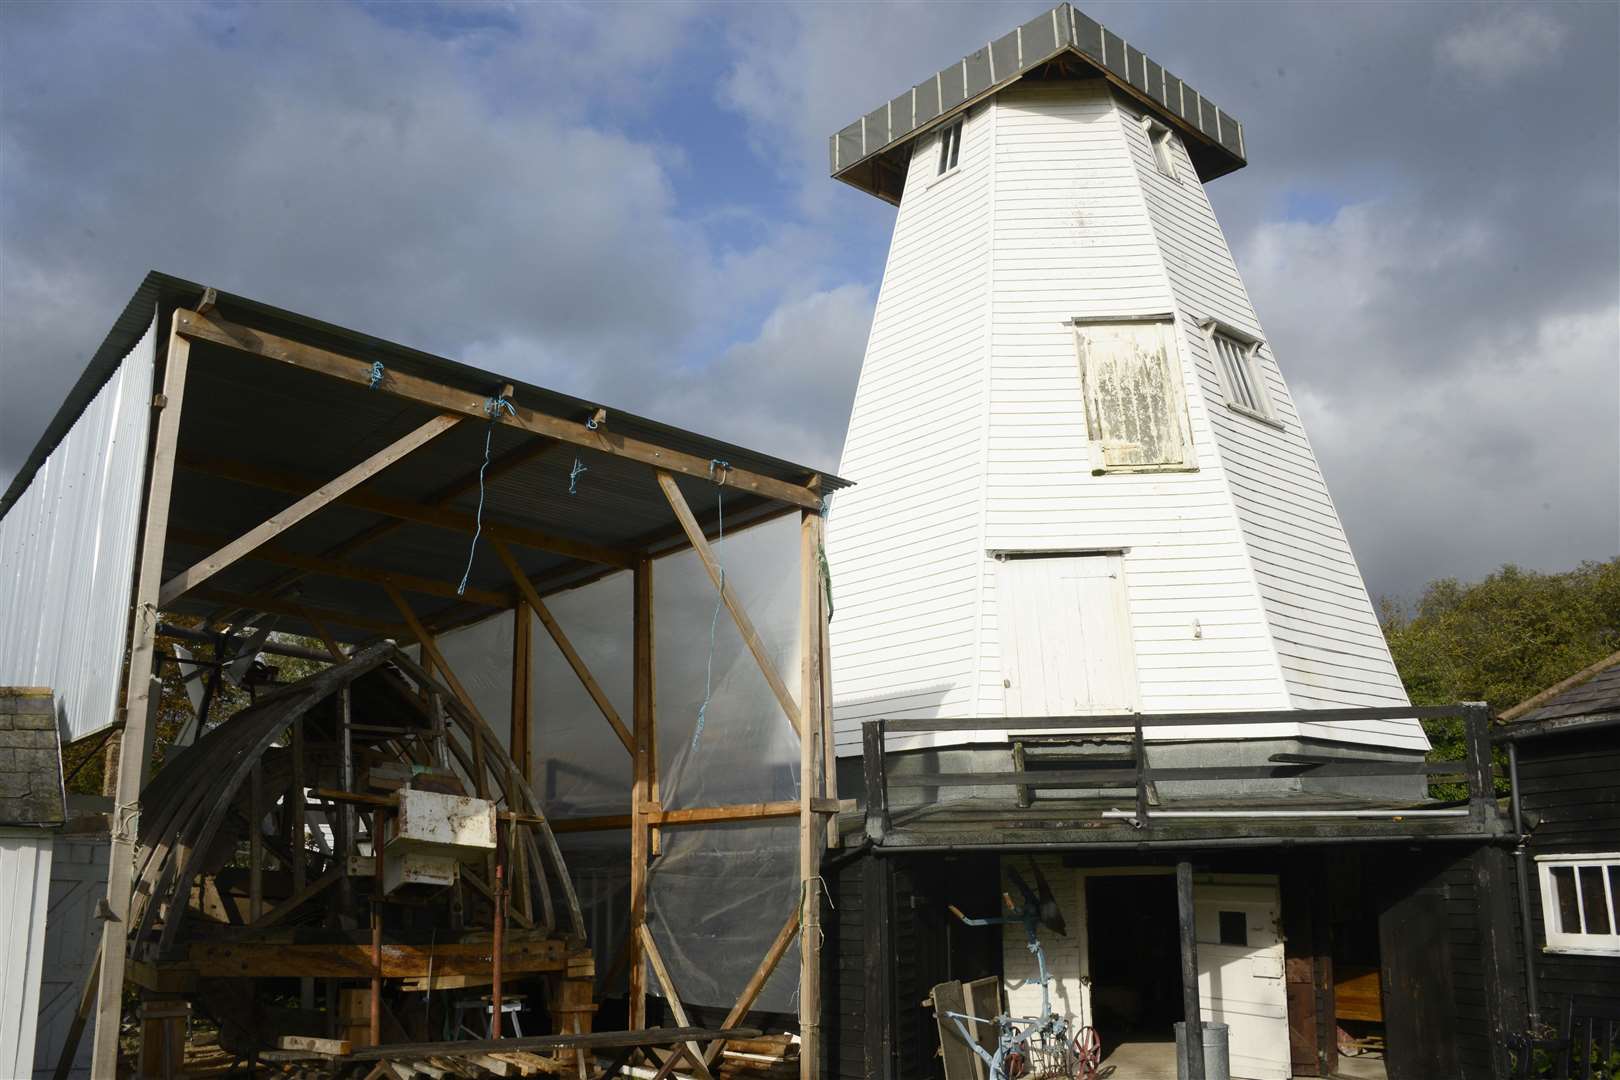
[810,715]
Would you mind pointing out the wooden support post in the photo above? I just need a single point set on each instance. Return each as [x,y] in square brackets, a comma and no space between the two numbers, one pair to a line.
[1191,1013]
[812,837]
[592,687]
[522,671]
[1505,1010]
[877,960]
[300,851]
[138,692]
[1139,751]
[739,615]
[376,924]
[829,747]
[656,960]
[1477,747]
[641,791]
[278,523]
[256,841]
[877,781]
[346,827]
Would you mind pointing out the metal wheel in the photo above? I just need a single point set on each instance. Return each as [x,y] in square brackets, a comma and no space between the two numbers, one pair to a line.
[1087,1053]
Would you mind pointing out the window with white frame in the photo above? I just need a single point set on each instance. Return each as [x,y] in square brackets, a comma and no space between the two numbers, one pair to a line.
[1237,362]
[1579,894]
[950,148]
[1164,150]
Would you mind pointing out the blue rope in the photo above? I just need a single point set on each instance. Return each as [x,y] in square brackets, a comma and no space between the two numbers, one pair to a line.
[376,374]
[493,406]
[573,475]
[719,594]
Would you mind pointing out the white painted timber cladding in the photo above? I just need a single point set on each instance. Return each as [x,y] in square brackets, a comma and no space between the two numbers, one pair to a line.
[904,544]
[72,940]
[67,554]
[1328,641]
[25,886]
[968,436]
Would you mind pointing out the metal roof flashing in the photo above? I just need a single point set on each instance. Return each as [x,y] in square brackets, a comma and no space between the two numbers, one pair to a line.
[870,153]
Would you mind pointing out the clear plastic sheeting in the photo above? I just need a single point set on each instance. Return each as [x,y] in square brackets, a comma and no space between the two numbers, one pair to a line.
[717,895]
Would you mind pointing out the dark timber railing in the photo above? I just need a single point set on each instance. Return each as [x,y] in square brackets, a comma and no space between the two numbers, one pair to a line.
[1475,766]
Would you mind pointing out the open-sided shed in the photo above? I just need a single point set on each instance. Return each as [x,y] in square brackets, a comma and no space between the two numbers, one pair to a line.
[243,465]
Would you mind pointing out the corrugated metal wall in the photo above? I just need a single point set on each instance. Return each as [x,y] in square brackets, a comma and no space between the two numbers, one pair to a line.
[25,882]
[67,554]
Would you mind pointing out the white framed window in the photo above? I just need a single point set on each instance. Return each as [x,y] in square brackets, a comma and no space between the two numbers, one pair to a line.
[1136,409]
[1164,149]
[1579,897]
[1237,362]
[950,148]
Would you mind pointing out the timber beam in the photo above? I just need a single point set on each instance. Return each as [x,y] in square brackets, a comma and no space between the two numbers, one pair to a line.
[408,510]
[351,369]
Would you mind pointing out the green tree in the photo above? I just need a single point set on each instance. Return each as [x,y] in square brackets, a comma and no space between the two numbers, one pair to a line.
[1502,639]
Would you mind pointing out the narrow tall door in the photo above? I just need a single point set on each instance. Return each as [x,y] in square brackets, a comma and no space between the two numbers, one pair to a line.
[1065,634]
[1240,973]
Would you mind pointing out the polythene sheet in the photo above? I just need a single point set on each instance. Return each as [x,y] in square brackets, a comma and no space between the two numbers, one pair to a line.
[717,895]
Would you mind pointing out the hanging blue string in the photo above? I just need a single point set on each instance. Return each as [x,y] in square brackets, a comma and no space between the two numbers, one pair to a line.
[715,464]
[493,406]
[376,374]
[573,475]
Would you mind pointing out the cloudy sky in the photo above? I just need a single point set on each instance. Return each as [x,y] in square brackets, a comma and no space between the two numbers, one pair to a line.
[630,203]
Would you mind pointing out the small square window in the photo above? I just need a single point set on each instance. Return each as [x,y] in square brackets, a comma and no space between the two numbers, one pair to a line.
[1237,361]
[1234,928]
[1164,149]
[1579,898]
[950,148]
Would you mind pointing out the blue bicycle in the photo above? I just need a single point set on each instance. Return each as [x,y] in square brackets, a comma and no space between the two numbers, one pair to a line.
[1044,1047]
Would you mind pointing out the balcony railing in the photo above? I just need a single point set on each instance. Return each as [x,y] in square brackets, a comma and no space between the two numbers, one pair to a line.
[1475,767]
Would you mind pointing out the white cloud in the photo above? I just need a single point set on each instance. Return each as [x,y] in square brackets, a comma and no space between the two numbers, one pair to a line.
[1502,43]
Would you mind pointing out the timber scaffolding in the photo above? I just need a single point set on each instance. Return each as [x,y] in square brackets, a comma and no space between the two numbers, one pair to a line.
[383,451]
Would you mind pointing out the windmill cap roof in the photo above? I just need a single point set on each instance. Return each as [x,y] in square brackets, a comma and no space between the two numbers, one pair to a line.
[871,152]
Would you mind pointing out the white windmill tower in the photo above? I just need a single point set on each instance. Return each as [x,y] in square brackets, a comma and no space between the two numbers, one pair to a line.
[1083,485]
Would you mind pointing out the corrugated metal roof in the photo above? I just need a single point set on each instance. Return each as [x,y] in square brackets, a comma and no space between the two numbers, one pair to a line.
[256,434]
[871,152]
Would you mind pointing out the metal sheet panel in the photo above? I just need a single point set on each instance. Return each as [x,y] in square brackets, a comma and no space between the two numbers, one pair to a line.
[67,553]
[1004,57]
[25,885]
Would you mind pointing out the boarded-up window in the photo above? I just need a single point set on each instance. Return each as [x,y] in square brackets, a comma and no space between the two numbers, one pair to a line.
[1134,408]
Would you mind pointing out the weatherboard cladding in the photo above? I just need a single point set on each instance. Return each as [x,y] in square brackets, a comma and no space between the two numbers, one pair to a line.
[1010,57]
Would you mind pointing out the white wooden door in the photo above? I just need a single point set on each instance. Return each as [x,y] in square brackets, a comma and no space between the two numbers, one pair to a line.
[1065,635]
[1240,970]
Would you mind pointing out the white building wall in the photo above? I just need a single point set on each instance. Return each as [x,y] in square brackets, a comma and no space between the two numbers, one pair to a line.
[1073,239]
[1327,637]
[25,885]
[67,554]
[78,878]
[904,544]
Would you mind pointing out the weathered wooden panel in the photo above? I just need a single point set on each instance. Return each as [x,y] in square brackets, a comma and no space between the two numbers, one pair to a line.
[72,937]
[25,880]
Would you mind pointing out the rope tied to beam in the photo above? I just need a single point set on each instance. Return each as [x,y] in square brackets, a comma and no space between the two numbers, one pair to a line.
[493,407]
[716,466]
[573,475]
[376,375]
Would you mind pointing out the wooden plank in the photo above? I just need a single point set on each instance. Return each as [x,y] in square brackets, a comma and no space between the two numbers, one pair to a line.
[812,837]
[645,695]
[407,510]
[877,783]
[745,625]
[348,571]
[566,647]
[467,403]
[301,894]
[1191,1013]
[590,1040]
[756,982]
[656,959]
[334,1047]
[280,522]
[353,959]
[275,605]
[256,841]
[522,671]
[877,965]
[138,698]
